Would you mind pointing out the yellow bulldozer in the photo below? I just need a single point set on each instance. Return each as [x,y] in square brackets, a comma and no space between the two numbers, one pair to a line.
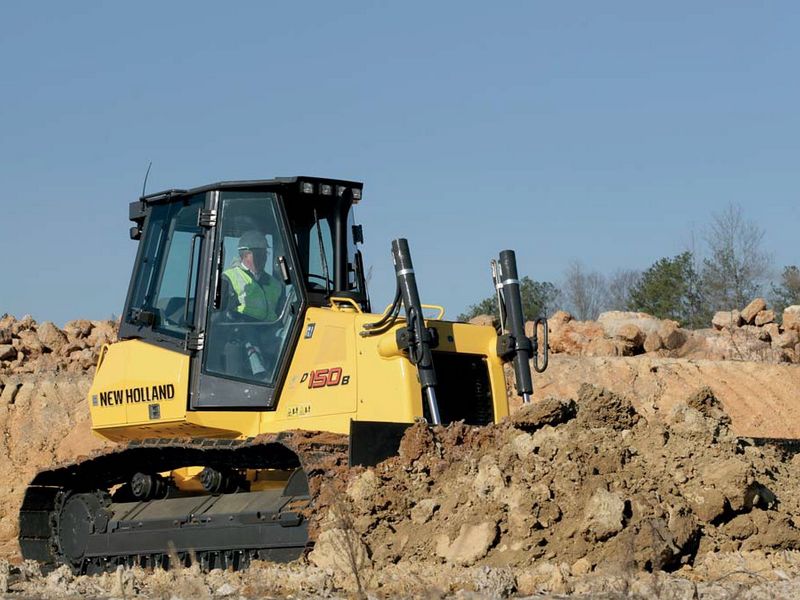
[249,365]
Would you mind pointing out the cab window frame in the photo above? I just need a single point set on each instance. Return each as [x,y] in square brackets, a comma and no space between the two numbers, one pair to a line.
[152,333]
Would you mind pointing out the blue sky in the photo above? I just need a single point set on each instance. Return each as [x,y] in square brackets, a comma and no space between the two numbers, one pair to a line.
[603,132]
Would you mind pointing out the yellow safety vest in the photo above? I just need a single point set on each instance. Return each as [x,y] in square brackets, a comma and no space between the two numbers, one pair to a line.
[256,300]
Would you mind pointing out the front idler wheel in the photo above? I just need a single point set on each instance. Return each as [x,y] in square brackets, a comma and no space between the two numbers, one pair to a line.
[81,516]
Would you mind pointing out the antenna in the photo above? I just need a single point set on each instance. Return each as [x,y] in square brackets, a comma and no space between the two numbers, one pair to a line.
[144,185]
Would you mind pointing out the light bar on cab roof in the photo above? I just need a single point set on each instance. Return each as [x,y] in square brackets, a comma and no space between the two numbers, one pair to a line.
[307,187]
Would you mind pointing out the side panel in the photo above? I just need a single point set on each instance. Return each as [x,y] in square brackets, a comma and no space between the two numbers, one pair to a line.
[137,385]
[321,386]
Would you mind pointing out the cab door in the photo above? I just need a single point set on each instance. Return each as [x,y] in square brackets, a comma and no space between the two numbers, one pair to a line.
[253,306]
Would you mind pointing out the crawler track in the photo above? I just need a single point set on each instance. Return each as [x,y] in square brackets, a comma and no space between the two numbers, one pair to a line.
[69,515]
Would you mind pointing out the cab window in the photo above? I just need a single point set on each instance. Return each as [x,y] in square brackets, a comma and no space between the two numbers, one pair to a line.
[254,309]
[165,284]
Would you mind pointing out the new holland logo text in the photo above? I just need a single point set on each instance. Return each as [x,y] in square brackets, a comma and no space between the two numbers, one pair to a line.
[135,395]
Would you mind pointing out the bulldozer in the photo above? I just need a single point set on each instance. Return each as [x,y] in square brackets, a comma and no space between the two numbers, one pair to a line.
[228,421]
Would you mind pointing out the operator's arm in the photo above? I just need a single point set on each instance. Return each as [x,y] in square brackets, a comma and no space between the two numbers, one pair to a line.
[229,301]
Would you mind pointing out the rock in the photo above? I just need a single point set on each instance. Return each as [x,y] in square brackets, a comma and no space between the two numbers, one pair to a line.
[750,311]
[773,329]
[726,319]
[544,577]
[572,337]
[523,445]
[73,346]
[672,336]
[741,527]
[607,347]
[340,550]
[631,333]
[9,394]
[486,320]
[489,481]
[26,323]
[423,511]
[79,328]
[731,477]
[705,402]
[653,342]
[7,352]
[51,336]
[103,332]
[707,504]
[613,321]
[472,543]
[226,589]
[758,333]
[764,317]
[29,343]
[492,582]
[550,411]
[791,317]
[787,340]
[363,486]
[582,566]
[560,317]
[603,516]
[5,335]
[4,572]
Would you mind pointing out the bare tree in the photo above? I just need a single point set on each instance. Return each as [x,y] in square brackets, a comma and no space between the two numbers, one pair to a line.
[736,265]
[584,292]
[620,284]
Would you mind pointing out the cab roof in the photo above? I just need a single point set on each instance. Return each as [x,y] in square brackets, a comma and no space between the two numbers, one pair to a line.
[298,180]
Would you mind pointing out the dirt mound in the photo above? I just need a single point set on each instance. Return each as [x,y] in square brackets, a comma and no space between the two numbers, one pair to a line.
[725,576]
[44,418]
[760,398]
[605,491]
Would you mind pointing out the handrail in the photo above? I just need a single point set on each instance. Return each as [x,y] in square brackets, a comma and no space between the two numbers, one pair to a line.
[334,299]
[439,316]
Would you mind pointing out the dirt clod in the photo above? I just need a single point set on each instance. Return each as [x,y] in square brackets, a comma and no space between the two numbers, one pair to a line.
[599,407]
[550,411]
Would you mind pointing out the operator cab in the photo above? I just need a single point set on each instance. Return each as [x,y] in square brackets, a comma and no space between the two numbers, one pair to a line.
[225,272]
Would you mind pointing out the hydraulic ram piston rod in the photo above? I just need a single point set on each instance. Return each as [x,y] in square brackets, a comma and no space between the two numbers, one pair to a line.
[419,337]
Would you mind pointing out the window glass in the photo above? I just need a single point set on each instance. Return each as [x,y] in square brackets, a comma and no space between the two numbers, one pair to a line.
[352,280]
[320,255]
[165,285]
[256,310]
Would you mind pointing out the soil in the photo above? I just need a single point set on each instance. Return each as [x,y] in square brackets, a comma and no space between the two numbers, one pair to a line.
[640,485]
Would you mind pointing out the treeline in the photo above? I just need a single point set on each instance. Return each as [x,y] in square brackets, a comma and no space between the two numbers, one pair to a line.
[729,270]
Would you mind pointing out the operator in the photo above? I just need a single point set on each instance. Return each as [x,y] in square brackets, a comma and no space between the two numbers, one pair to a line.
[252,292]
